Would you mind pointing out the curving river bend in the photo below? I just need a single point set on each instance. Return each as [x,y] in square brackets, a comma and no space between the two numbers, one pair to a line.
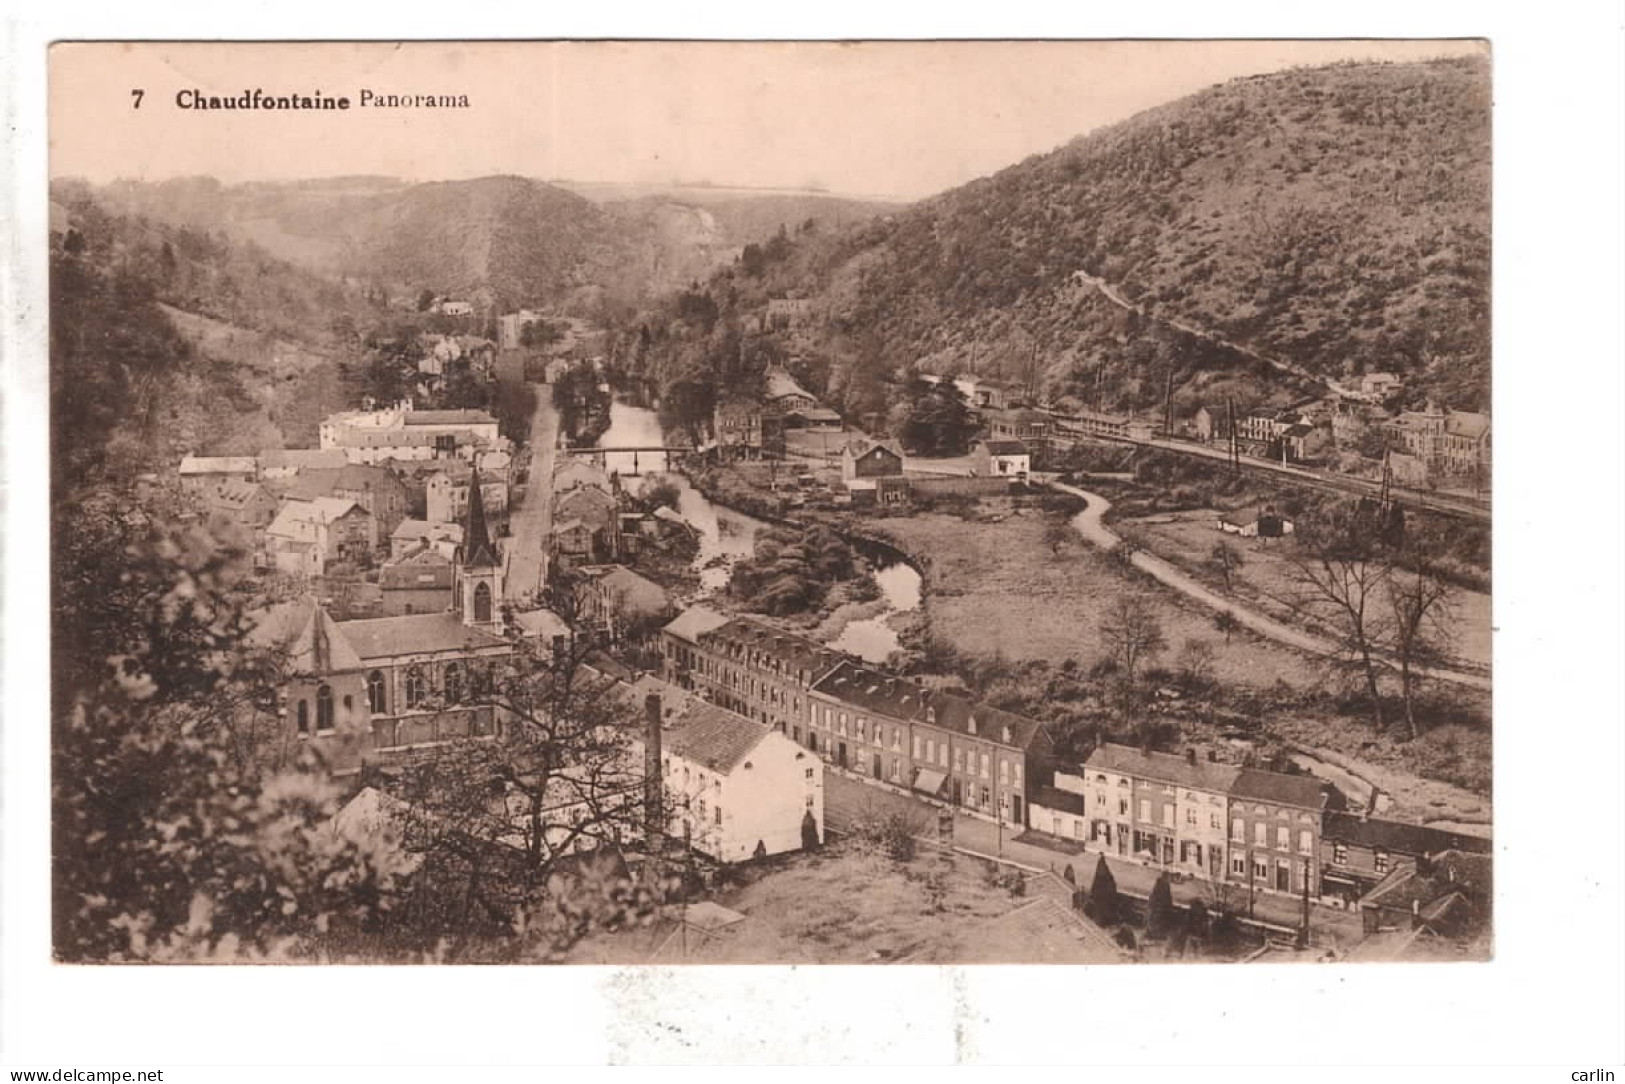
[727,536]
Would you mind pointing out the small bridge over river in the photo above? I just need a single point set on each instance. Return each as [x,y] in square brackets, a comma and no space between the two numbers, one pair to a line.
[672,453]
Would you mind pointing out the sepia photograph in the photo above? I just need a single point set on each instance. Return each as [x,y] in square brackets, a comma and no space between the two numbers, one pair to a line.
[771,503]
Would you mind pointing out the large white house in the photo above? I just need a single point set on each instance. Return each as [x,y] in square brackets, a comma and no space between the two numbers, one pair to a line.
[399,432]
[733,785]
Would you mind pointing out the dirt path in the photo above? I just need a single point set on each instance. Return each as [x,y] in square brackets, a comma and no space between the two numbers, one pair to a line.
[1090,524]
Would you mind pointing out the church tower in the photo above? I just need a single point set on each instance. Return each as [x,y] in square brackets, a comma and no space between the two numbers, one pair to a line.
[479,569]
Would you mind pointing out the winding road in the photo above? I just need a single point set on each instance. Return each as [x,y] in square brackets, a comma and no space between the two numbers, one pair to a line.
[527,545]
[1090,524]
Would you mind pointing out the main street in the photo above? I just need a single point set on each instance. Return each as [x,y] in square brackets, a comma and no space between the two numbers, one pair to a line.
[532,520]
[849,800]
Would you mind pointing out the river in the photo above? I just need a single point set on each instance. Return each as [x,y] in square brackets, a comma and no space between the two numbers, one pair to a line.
[726,536]
[872,638]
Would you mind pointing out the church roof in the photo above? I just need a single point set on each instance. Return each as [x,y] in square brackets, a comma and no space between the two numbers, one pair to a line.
[478,551]
[414,634]
[303,631]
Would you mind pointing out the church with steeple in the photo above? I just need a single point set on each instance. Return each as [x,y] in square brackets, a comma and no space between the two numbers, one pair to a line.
[378,690]
[477,575]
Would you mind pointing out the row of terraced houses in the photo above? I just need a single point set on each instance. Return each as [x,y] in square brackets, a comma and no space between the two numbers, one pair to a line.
[1189,815]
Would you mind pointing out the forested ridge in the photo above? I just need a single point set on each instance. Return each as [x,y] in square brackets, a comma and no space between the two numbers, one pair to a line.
[1334,218]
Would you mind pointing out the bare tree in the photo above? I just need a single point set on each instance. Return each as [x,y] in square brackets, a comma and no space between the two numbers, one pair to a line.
[1133,633]
[1340,568]
[1421,609]
[1226,623]
[1196,661]
[1225,559]
[508,817]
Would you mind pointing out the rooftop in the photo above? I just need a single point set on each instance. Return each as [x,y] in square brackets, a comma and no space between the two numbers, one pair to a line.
[1004,447]
[449,417]
[1397,836]
[694,622]
[1067,801]
[713,737]
[301,458]
[898,698]
[311,640]
[792,651]
[1164,767]
[219,464]
[1302,791]
[862,446]
[414,634]
[409,529]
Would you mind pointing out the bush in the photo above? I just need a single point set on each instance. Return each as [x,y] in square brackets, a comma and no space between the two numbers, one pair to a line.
[1103,902]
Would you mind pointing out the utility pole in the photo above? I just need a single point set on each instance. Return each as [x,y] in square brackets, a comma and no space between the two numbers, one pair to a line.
[1252,884]
[1303,931]
[1235,454]
[1168,403]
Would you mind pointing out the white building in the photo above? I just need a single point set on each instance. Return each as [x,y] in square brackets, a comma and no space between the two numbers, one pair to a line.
[732,784]
[399,432]
[306,536]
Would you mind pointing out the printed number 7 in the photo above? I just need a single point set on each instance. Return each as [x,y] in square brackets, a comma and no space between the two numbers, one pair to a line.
[138,94]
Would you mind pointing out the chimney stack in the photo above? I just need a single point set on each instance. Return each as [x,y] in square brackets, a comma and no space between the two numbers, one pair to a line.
[654,823]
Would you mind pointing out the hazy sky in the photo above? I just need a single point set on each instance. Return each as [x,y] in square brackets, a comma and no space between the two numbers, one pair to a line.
[901,120]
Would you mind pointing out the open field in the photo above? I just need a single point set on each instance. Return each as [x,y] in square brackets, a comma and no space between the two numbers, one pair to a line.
[845,906]
[997,587]
[1265,582]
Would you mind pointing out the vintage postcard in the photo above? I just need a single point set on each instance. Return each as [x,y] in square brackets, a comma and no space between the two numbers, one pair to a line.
[771,503]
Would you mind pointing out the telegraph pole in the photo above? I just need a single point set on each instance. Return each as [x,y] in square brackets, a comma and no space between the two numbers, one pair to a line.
[1303,931]
[1168,403]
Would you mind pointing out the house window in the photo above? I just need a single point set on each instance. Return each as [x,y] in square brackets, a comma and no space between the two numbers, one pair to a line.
[942,755]
[302,717]
[1077,828]
[375,692]
[1305,842]
[1261,870]
[916,747]
[718,815]
[1238,831]
[930,750]
[1283,839]
[987,798]
[324,708]
[1238,865]
[1168,815]
[959,760]
[809,775]
[1261,834]
[1100,798]
[1340,854]
[1145,810]
[809,801]
[1190,816]
[1214,822]
[984,766]
[454,683]
[1380,859]
[896,769]
[414,688]
[1004,772]
[1122,807]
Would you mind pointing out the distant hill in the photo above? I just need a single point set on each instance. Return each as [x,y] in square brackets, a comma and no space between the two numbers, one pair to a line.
[513,240]
[1335,219]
